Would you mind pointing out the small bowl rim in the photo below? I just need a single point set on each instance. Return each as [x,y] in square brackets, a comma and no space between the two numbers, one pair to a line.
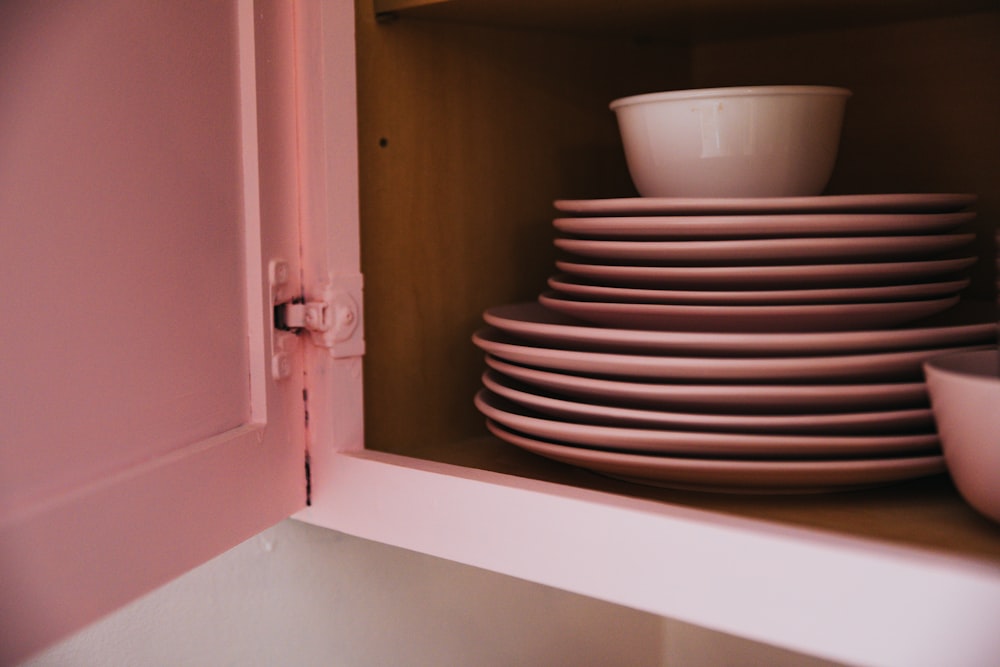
[727,92]
[953,364]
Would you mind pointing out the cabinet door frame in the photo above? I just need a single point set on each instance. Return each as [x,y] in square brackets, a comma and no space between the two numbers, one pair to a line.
[70,557]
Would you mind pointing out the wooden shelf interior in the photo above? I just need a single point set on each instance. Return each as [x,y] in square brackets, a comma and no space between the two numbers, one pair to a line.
[468,132]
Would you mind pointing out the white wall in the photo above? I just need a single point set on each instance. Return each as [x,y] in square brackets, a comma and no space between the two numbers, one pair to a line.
[297,595]
[301,595]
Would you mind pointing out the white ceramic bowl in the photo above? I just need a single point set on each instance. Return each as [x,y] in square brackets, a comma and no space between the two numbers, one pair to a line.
[965,396]
[758,141]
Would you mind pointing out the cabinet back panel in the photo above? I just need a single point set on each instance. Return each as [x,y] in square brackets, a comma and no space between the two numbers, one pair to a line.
[466,136]
[467,133]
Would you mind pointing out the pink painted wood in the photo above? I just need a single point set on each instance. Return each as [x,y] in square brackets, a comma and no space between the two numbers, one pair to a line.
[141,434]
[840,597]
[330,221]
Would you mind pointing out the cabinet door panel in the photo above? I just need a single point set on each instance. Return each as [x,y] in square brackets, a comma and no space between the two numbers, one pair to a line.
[141,432]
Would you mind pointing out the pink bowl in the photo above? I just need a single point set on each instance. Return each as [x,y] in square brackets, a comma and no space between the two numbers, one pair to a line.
[750,141]
[965,396]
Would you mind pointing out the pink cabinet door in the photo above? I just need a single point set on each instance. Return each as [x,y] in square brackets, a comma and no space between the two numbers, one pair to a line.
[144,193]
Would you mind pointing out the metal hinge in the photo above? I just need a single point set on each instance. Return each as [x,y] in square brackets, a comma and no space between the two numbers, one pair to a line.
[330,313]
[329,322]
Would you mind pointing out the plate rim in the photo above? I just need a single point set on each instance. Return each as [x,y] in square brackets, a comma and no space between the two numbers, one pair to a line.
[496,382]
[828,366]
[752,226]
[844,249]
[819,388]
[871,202]
[726,343]
[704,443]
[839,469]
[573,286]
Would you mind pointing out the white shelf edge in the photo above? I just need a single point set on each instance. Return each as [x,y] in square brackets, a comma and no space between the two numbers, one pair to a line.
[834,597]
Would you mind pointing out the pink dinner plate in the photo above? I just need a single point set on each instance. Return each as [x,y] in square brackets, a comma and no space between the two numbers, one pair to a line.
[723,397]
[968,323]
[759,226]
[860,203]
[702,443]
[748,318]
[884,366]
[911,421]
[573,287]
[775,276]
[767,251]
[733,476]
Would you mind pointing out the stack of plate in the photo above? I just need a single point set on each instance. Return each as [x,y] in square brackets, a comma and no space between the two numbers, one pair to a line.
[738,344]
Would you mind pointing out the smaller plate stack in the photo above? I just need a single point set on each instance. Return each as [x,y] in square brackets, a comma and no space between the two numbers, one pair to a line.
[763,345]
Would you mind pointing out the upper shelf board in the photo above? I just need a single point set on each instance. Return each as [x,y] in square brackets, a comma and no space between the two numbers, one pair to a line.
[682,20]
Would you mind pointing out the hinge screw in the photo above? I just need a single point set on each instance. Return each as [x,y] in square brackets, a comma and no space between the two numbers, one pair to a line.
[280,274]
[281,366]
[285,344]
